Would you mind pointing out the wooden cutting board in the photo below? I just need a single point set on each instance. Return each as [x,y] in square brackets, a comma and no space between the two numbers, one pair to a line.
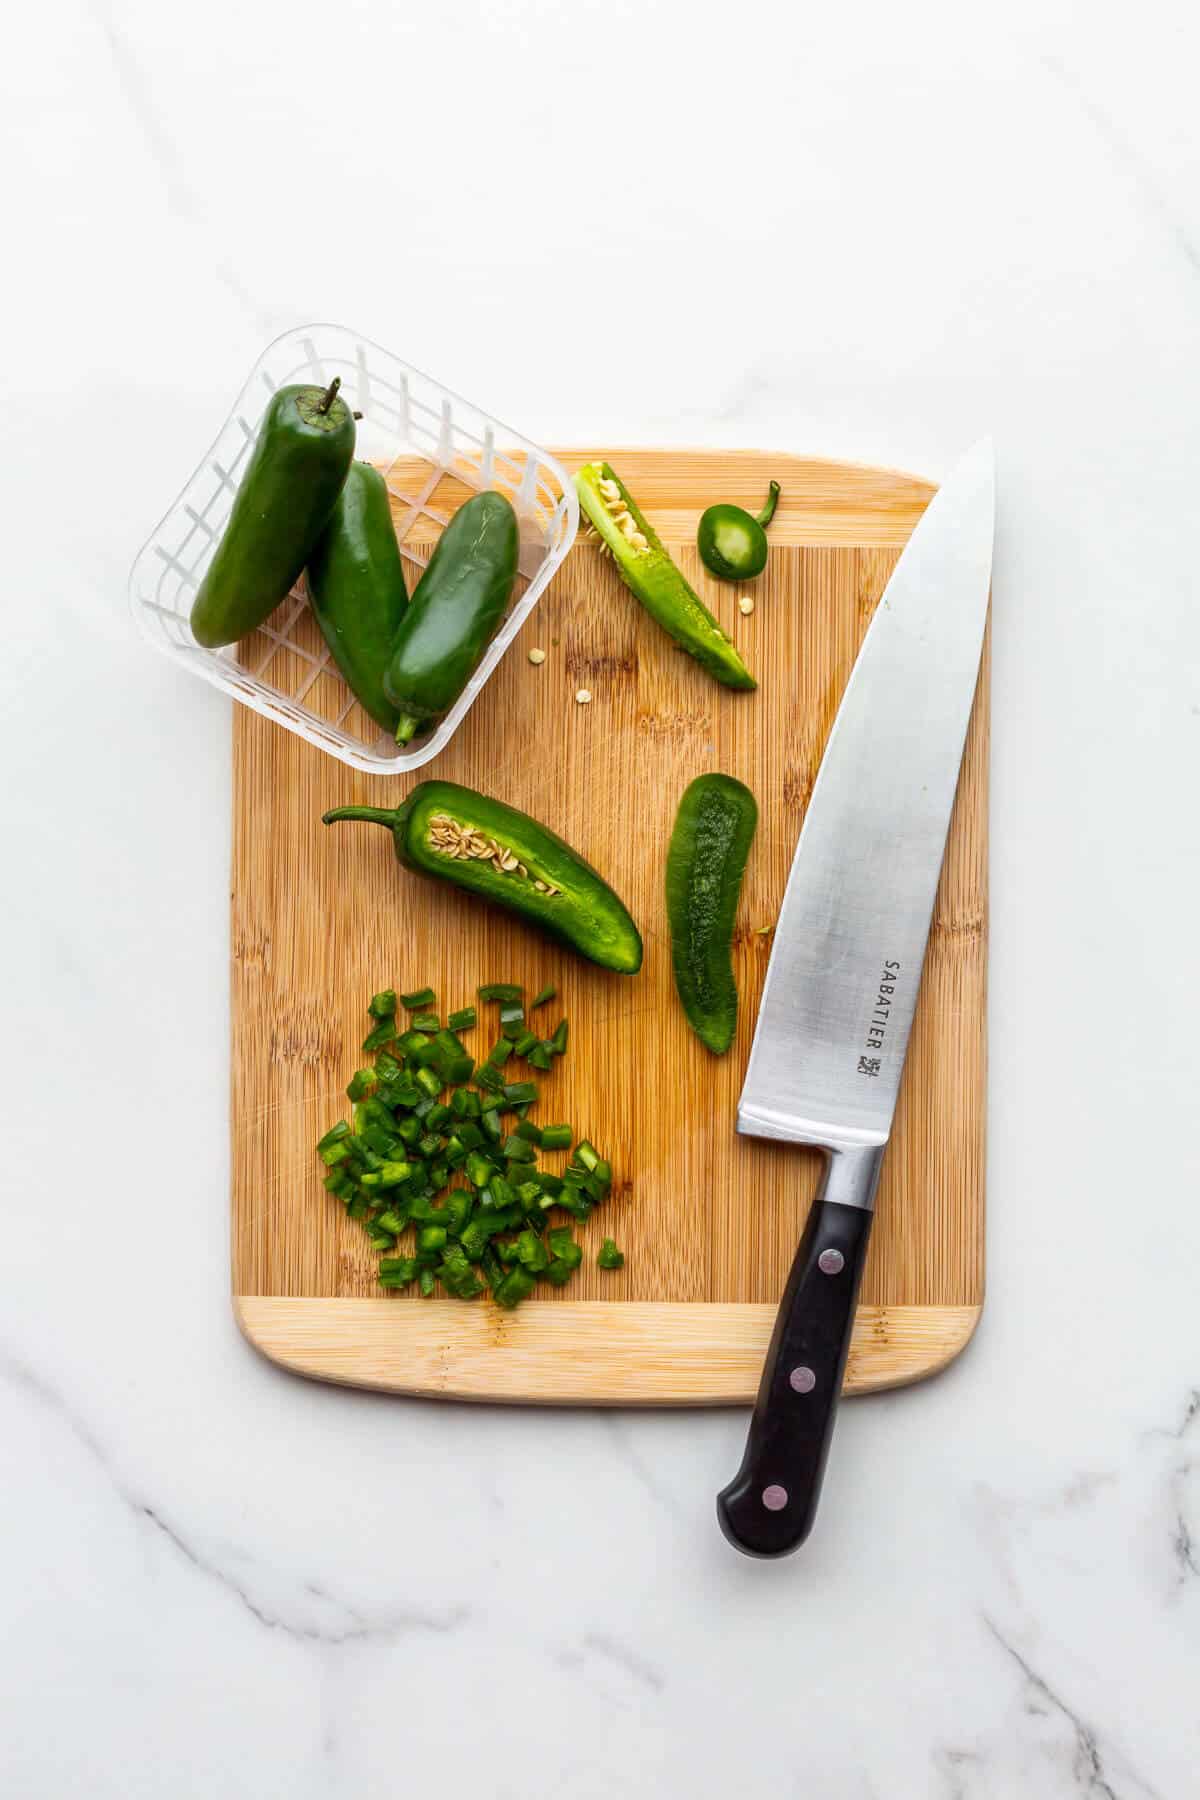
[709,1221]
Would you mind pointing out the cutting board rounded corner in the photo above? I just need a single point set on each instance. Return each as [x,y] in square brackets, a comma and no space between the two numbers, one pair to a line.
[588,1353]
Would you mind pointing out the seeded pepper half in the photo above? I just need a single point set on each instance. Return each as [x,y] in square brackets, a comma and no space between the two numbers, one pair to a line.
[648,571]
[508,858]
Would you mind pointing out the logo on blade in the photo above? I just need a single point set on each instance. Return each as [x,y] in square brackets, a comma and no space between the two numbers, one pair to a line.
[877,1024]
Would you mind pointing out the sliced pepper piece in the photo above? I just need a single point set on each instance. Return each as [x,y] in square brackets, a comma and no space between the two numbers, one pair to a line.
[647,570]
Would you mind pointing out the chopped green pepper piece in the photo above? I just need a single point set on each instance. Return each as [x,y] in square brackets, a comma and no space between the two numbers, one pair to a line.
[453,1063]
[489,1078]
[384,1033]
[490,1121]
[520,1093]
[431,1237]
[556,1137]
[468,1135]
[334,1135]
[528,1130]
[409,1130]
[458,1209]
[337,1181]
[333,1154]
[385,1143]
[562,1243]
[478,1232]
[499,1053]
[432,1084]
[492,1267]
[558,1043]
[436,1117]
[524,1044]
[397,1271]
[587,1154]
[500,990]
[479,1169]
[464,1104]
[393,1220]
[391,1175]
[549,992]
[517,1285]
[458,1277]
[416,1001]
[540,1056]
[360,1083]
[531,1251]
[609,1256]
[383,1004]
[422,1211]
[577,1204]
[462,1020]
[413,1041]
[426,1280]
[558,1271]
[380,1240]
[515,1149]
[512,1019]
[426,1021]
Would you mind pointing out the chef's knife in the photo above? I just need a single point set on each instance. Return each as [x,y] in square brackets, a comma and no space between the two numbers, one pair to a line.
[841,987]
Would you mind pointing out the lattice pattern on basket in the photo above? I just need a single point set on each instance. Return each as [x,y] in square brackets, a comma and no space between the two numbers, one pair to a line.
[435,449]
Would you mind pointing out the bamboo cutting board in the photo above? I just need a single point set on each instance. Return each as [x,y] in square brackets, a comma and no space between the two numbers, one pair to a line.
[709,1221]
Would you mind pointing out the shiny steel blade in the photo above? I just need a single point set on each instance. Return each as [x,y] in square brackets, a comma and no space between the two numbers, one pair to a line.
[845,966]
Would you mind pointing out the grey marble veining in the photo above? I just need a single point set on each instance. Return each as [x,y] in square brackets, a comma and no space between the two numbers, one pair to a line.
[872,233]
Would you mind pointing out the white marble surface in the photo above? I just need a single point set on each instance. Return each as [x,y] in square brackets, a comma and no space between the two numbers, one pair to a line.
[873,231]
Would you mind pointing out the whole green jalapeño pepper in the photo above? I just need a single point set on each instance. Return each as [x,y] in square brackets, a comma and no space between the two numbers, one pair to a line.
[506,857]
[294,475]
[455,608]
[647,569]
[733,543]
[356,588]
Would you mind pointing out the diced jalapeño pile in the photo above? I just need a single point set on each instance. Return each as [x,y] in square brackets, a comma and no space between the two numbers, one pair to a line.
[440,1146]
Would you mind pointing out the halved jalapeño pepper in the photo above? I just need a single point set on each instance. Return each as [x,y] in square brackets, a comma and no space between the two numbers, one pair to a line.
[648,571]
[455,608]
[356,588]
[506,857]
[706,860]
[294,475]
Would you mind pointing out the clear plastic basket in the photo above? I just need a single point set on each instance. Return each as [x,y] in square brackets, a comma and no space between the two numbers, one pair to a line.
[434,449]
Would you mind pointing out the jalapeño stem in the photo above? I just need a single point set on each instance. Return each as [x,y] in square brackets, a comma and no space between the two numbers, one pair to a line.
[768,511]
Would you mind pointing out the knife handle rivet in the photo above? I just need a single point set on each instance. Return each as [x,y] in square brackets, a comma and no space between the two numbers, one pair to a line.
[831,1262]
[802,1380]
[774,1498]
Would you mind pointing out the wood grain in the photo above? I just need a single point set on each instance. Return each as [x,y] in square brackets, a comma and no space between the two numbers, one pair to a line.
[709,1221]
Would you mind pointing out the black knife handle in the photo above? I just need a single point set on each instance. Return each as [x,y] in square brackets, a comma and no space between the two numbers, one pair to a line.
[769,1506]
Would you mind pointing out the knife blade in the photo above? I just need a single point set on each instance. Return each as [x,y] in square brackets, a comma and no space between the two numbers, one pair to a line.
[841,986]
